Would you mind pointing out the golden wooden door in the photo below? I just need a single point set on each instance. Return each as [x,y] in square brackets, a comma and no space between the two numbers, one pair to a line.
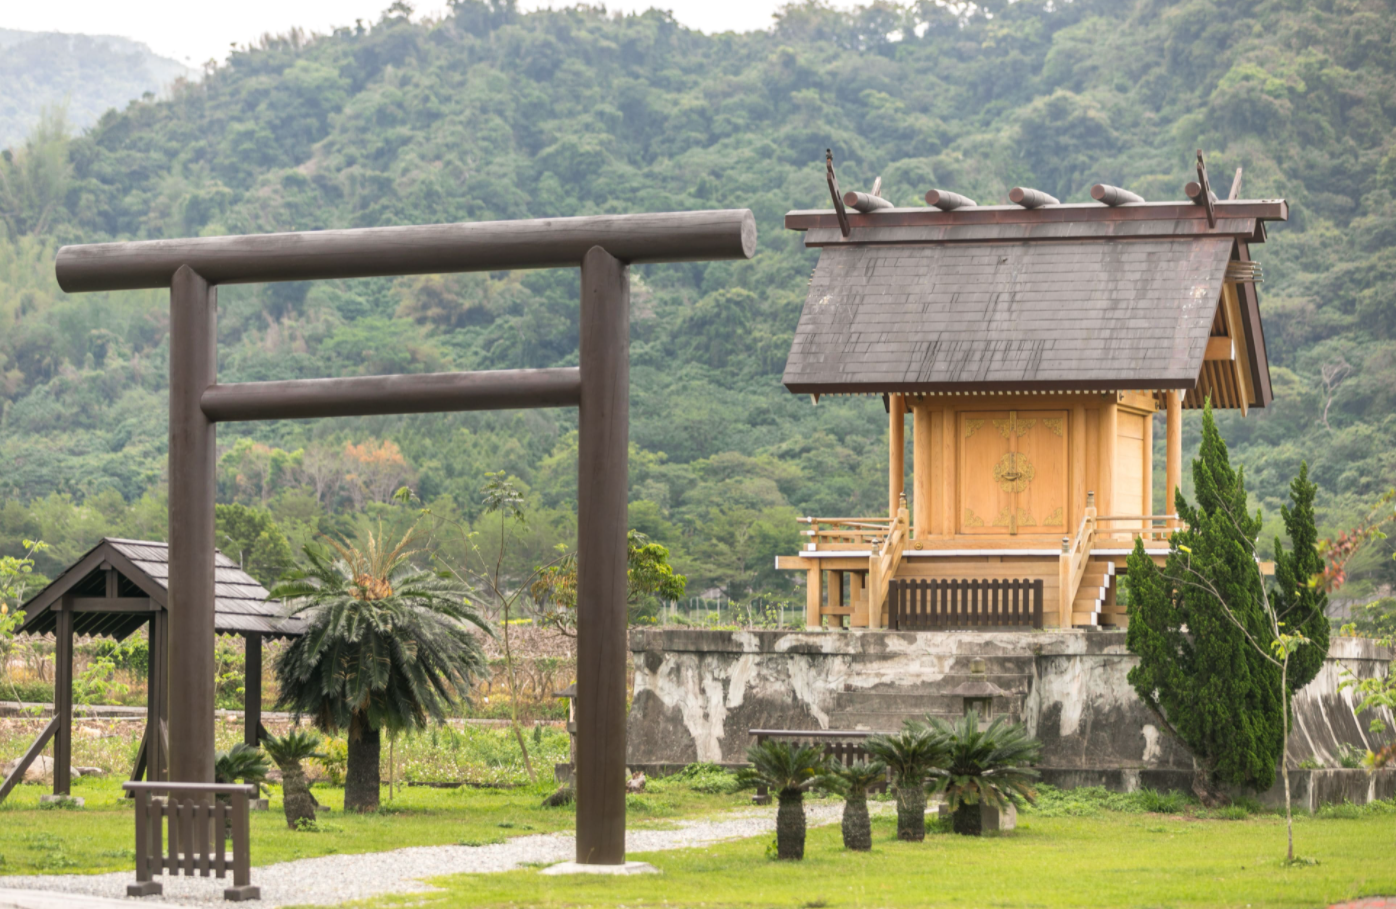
[1013,472]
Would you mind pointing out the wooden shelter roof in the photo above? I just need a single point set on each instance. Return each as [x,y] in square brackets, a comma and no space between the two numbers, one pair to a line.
[1002,298]
[142,567]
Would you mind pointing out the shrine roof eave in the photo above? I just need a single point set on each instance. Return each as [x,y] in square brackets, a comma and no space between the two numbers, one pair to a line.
[1233,217]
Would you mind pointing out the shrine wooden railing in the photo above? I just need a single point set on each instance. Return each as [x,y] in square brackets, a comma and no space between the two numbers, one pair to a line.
[1075,554]
[1097,531]
[1128,528]
[841,746]
[883,564]
[187,833]
[942,604]
[845,533]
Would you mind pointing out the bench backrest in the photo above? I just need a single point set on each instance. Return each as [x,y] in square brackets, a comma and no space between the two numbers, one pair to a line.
[188,831]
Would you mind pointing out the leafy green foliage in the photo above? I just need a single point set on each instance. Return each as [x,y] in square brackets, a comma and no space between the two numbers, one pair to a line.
[984,766]
[1202,632]
[242,763]
[250,537]
[386,644]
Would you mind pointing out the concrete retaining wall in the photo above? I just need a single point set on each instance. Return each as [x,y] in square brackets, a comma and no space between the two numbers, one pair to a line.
[698,692]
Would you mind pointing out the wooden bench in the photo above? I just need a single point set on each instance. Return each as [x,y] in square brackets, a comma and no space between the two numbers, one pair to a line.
[930,605]
[844,746]
[201,818]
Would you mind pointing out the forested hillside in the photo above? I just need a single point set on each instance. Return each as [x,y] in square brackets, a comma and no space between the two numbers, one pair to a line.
[495,114]
[85,74]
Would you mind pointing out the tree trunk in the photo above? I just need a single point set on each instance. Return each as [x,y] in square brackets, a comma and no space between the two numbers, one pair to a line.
[857,829]
[911,813]
[1206,791]
[1284,758]
[967,820]
[790,825]
[296,799]
[363,777]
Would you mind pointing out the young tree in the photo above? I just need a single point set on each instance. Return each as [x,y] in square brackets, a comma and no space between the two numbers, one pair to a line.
[288,751]
[910,754]
[983,766]
[250,537]
[1221,653]
[15,574]
[791,771]
[647,574]
[386,646]
[852,782]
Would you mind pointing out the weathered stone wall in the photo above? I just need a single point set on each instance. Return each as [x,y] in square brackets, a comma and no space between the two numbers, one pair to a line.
[697,693]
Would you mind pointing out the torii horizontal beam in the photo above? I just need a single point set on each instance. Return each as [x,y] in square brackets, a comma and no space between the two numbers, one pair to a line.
[372,252]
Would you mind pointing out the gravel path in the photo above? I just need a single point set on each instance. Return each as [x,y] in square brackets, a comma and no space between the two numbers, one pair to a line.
[333,879]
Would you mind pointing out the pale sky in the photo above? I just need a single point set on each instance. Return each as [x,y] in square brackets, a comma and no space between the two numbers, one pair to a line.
[195,32]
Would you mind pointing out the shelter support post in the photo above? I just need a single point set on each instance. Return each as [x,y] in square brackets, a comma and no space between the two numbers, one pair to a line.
[63,701]
[602,451]
[156,701]
[814,596]
[921,496]
[896,451]
[193,368]
[252,689]
[1173,462]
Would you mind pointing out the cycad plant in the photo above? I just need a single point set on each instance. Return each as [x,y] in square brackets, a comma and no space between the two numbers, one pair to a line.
[386,646]
[983,766]
[790,770]
[288,751]
[852,782]
[910,755]
[242,763]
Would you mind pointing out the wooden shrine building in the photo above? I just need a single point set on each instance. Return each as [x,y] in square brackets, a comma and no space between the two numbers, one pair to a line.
[112,591]
[1031,345]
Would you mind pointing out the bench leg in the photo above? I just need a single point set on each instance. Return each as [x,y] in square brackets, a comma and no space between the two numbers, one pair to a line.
[145,888]
[244,892]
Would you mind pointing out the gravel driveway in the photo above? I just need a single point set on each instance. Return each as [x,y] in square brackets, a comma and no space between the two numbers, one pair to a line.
[333,879]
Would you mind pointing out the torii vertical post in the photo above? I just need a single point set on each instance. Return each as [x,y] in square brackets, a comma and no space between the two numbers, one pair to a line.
[193,368]
[603,426]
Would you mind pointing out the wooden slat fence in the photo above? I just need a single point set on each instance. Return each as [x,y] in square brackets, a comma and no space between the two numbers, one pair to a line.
[941,604]
[843,746]
[188,833]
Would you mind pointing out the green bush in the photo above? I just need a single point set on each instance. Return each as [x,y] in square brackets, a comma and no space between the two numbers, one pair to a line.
[709,779]
[30,692]
[1344,810]
[1091,800]
[1230,813]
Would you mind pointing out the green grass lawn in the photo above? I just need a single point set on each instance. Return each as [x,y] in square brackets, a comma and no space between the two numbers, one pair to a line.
[100,836]
[1110,860]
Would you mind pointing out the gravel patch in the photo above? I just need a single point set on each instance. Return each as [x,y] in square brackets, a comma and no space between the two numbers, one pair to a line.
[333,879]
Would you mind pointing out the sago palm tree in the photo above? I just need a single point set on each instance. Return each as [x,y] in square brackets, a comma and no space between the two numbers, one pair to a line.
[288,751]
[852,783]
[910,755]
[983,766]
[790,770]
[242,763]
[386,647]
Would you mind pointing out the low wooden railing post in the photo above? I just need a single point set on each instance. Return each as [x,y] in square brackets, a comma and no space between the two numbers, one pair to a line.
[187,834]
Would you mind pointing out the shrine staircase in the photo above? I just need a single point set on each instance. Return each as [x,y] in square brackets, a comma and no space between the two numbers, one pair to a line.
[999,685]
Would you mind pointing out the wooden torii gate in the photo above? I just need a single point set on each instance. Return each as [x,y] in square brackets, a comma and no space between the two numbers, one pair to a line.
[603,246]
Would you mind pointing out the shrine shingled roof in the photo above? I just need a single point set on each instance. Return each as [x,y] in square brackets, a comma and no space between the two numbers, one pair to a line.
[1057,298]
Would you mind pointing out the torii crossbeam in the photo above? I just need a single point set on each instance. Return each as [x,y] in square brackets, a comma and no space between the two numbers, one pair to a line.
[602,246]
